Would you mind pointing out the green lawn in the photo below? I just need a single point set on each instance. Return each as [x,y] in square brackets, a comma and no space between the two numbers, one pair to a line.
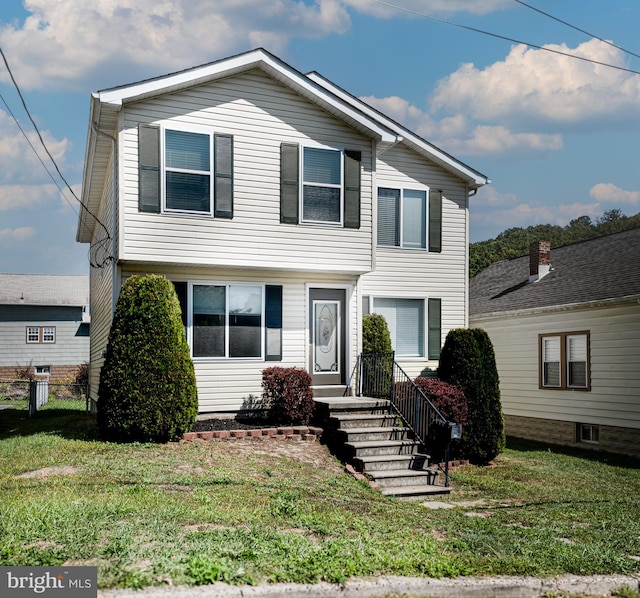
[247,511]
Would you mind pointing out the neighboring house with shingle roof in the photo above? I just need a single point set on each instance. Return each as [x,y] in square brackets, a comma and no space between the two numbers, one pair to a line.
[44,324]
[565,326]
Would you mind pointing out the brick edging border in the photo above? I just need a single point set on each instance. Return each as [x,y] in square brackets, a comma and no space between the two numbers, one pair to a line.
[295,433]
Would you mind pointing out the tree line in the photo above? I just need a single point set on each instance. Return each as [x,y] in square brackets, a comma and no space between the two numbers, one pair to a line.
[514,242]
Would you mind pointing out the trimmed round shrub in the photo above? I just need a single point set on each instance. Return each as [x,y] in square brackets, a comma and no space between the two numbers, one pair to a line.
[287,396]
[375,334]
[147,386]
[468,361]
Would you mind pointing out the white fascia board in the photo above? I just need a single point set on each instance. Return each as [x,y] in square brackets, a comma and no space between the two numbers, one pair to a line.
[475,178]
[244,62]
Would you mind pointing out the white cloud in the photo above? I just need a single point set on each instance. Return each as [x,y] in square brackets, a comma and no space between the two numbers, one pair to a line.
[17,234]
[71,42]
[540,88]
[609,193]
[26,196]
[458,135]
[18,161]
[434,7]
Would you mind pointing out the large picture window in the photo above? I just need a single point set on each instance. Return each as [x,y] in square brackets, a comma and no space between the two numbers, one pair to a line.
[233,321]
[564,361]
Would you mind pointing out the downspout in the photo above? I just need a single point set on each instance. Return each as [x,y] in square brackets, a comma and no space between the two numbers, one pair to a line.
[114,218]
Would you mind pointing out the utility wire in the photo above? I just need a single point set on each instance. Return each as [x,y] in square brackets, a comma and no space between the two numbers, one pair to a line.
[509,39]
[606,41]
[46,149]
[55,182]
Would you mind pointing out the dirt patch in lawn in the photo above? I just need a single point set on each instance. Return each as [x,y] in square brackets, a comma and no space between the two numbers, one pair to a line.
[45,472]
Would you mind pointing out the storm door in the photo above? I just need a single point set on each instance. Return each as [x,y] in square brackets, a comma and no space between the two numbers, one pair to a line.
[327,327]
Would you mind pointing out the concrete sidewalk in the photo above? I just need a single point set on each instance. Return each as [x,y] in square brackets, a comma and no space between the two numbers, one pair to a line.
[462,587]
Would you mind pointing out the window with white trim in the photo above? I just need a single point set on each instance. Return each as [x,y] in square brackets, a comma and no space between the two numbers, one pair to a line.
[41,334]
[42,370]
[564,361]
[187,171]
[405,319]
[588,433]
[233,321]
[405,220]
[321,185]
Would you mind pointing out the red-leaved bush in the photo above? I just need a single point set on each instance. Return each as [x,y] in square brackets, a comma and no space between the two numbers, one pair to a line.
[287,395]
[446,398]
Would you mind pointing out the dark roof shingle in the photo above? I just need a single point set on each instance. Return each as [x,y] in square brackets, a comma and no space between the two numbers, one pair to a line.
[603,268]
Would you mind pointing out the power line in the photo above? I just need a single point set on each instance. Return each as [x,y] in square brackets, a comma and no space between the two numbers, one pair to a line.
[509,39]
[606,41]
[99,244]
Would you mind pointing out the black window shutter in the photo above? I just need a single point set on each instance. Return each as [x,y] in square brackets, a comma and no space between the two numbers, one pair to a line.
[149,168]
[352,161]
[289,182]
[223,168]
[273,322]
[181,291]
[434,317]
[435,220]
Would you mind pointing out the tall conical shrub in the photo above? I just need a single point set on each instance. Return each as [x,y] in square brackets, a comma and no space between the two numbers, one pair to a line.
[468,361]
[147,386]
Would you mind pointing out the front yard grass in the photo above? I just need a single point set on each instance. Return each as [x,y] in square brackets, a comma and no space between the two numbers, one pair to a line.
[251,511]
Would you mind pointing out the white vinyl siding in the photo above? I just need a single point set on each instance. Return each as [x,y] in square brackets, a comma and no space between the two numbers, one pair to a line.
[227,385]
[614,354]
[260,114]
[424,274]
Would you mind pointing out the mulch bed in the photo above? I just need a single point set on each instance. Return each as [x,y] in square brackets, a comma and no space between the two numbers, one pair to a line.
[217,423]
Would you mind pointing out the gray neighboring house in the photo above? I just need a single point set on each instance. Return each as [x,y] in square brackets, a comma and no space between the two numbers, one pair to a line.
[565,326]
[44,323]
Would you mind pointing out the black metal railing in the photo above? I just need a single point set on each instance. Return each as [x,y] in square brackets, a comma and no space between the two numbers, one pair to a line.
[380,376]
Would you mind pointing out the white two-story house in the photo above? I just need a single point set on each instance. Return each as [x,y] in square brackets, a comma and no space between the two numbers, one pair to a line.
[282,209]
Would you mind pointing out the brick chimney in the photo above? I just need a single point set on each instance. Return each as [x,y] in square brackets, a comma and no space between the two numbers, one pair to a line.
[539,260]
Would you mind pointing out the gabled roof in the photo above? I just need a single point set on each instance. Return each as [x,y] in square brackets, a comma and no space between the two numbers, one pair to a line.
[107,104]
[600,269]
[36,289]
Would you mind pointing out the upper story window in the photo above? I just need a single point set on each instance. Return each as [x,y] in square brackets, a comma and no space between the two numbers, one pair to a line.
[322,185]
[187,162]
[405,219]
[182,171]
[41,334]
[319,185]
[564,361]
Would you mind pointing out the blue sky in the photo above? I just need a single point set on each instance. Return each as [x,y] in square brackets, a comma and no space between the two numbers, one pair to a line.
[558,137]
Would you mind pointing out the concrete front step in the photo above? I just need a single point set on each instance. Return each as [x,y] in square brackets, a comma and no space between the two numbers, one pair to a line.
[415,462]
[350,404]
[350,435]
[420,492]
[370,448]
[363,420]
[403,477]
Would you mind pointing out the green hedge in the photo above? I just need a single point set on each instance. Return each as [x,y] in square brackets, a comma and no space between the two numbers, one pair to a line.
[147,384]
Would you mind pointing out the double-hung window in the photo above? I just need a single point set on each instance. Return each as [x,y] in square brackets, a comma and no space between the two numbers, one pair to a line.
[321,185]
[41,334]
[402,218]
[185,171]
[564,360]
